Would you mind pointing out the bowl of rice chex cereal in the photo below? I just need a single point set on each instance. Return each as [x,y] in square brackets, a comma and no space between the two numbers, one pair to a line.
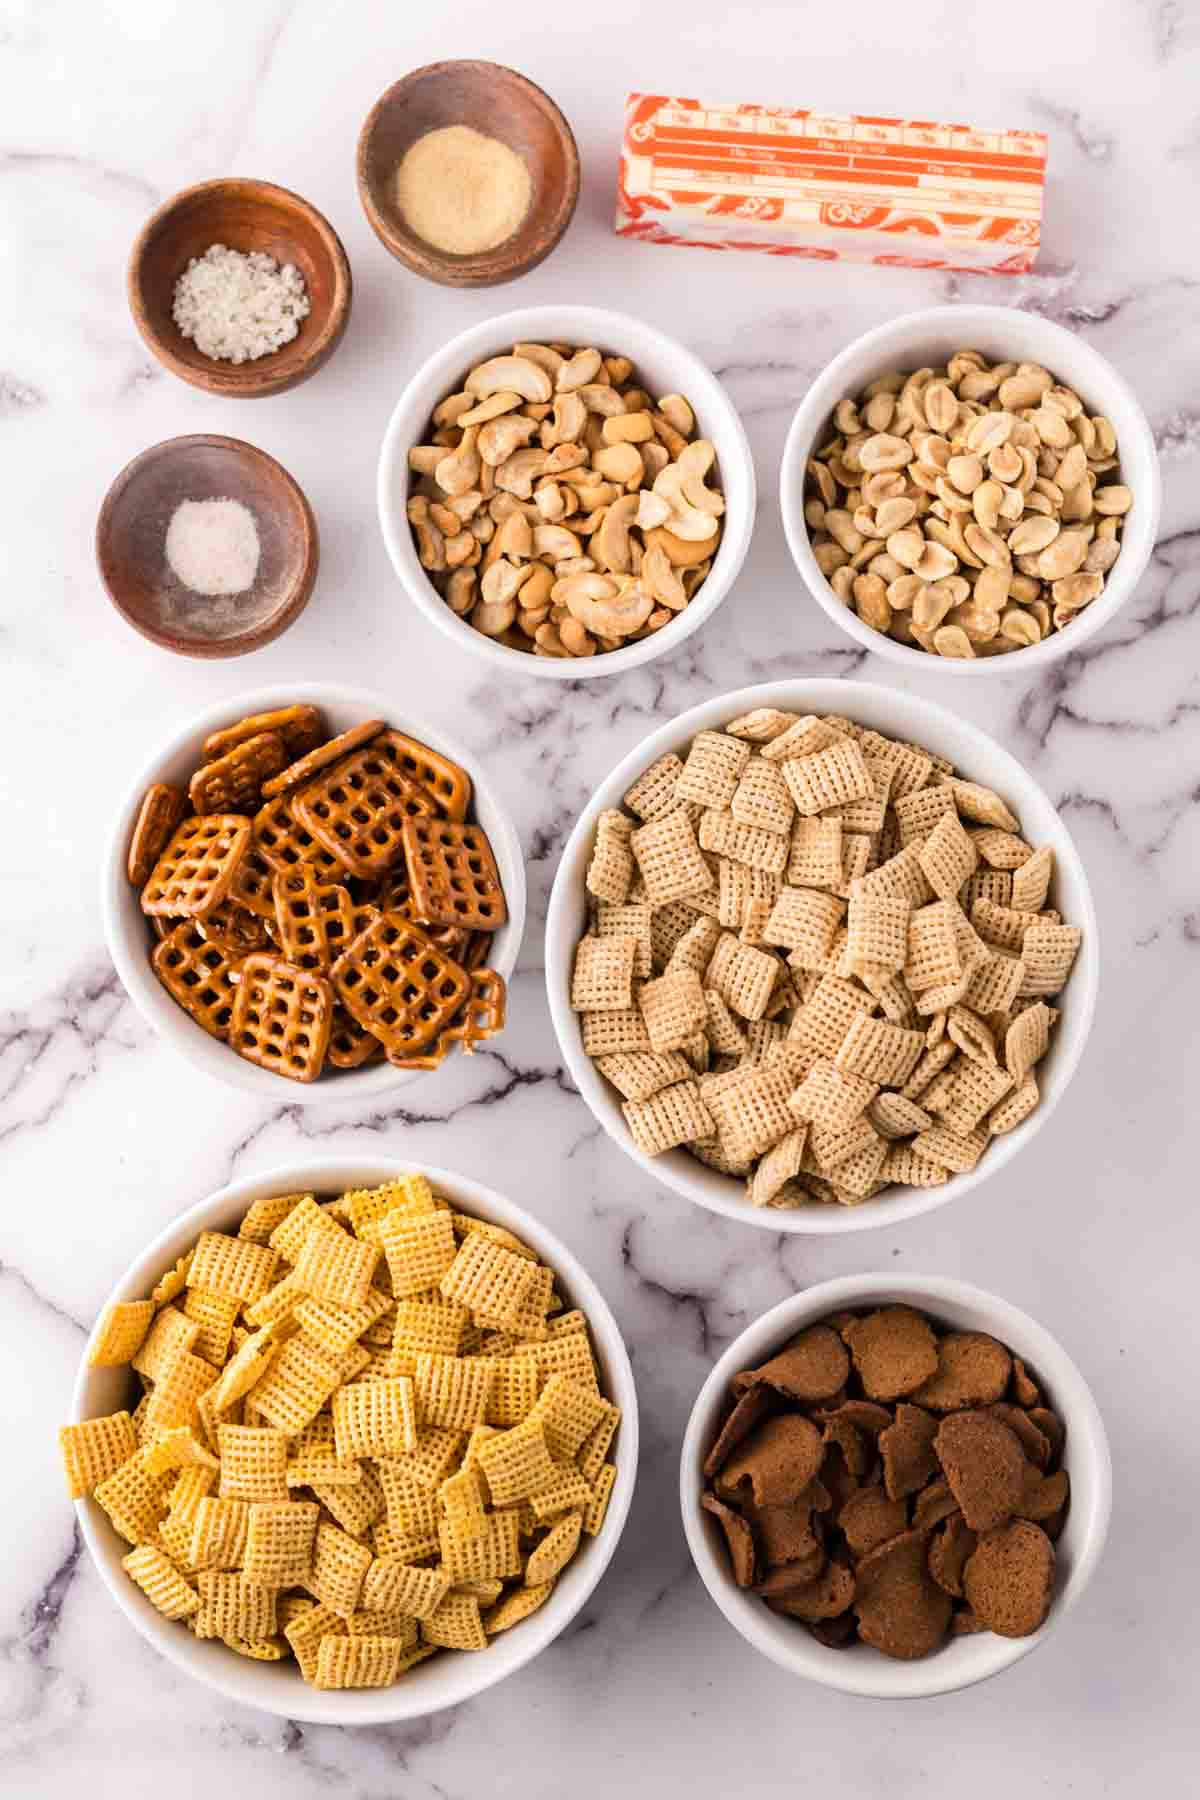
[352,1441]
[821,956]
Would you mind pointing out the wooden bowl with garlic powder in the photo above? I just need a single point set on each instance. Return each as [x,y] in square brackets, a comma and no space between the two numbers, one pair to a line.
[207,546]
[256,220]
[468,173]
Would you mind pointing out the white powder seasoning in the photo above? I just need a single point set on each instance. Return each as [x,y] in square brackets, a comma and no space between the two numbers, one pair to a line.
[237,307]
[212,546]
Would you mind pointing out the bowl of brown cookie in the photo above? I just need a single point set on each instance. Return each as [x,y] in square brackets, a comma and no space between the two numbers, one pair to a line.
[308,885]
[895,1487]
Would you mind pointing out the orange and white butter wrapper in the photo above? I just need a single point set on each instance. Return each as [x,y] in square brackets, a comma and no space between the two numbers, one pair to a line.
[902,192]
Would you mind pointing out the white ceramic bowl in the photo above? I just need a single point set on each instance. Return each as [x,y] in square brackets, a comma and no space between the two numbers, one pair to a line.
[444,1680]
[125,925]
[665,367]
[923,339]
[961,1661]
[898,715]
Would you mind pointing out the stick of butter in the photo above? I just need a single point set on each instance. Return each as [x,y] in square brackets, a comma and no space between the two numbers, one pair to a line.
[902,192]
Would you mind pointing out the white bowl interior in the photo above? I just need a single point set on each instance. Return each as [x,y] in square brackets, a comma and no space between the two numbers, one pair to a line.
[899,715]
[928,338]
[960,1662]
[665,367]
[125,925]
[457,1675]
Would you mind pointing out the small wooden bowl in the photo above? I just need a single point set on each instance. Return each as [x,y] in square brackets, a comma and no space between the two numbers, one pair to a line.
[500,103]
[131,546]
[245,215]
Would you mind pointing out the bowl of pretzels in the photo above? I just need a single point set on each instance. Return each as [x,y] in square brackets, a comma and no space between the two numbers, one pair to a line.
[308,885]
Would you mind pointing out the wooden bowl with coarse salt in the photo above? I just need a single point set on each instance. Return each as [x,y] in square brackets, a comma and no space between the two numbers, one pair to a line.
[245,216]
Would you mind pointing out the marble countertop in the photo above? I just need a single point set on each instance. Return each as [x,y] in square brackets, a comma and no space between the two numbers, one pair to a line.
[106,110]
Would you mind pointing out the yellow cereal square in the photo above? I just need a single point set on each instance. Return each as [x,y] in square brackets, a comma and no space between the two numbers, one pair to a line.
[170,1285]
[306,1631]
[358,1662]
[232,1607]
[236,1267]
[175,1393]
[161,1582]
[213,1315]
[355,1508]
[567,1412]
[562,1492]
[219,1533]
[179,1448]
[488,1279]
[266,1215]
[429,1322]
[296,1386]
[279,1542]
[95,1449]
[595,1449]
[391,1585]
[134,1499]
[335,1327]
[516,1606]
[597,1508]
[119,1335]
[515,1463]
[494,1554]
[452,1391]
[455,1625]
[172,1330]
[290,1233]
[375,1418]
[463,1501]
[419,1249]
[336,1267]
[253,1463]
[339,1565]
[515,1383]
[555,1551]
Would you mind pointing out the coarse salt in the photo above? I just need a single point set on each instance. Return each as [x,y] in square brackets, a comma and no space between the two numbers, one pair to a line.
[237,307]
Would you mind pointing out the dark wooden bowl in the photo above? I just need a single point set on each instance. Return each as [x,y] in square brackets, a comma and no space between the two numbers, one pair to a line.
[131,546]
[500,103]
[245,215]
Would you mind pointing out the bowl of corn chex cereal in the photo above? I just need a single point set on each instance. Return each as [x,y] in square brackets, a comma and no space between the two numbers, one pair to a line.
[821,956]
[353,1440]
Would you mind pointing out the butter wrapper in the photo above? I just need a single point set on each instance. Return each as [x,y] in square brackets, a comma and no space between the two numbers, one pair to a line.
[905,193]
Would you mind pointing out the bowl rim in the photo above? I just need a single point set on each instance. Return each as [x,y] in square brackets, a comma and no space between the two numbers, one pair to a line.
[879,1677]
[245,381]
[593,324]
[181,1033]
[486,268]
[368,1706]
[243,642]
[817,406]
[824,694]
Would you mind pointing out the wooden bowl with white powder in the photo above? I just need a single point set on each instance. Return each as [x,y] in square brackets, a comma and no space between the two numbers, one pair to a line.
[269,282]
[468,173]
[207,546]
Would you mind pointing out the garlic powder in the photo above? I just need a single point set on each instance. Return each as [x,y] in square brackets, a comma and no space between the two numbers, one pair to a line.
[237,307]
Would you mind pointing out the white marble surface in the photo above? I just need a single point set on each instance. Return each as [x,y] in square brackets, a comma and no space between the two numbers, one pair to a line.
[105,110]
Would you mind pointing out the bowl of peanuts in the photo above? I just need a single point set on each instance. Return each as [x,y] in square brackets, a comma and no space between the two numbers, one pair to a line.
[566,492]
[970,482]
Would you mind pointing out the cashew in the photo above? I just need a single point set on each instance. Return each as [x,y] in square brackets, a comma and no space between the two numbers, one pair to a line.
[517,474]
[529,619]
[431,545]
[568,422]
[555,542]
[602,606]
[610,544]
[576,638]
[564,457]
[542,355]
[678,414]
[603,400]
[509,373]
[501,438]
[583,368]
[460,591]
[628,428]
[452,409]
[655,456]
[491,408]
[662,580]
[694,463]
[621,463]
[618,369]
[514,538]
[423,459]
[548,498]
[547,641]
[448,523]
[501,584]
[678,552]
[493,617]
[459,471]
[462,548]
